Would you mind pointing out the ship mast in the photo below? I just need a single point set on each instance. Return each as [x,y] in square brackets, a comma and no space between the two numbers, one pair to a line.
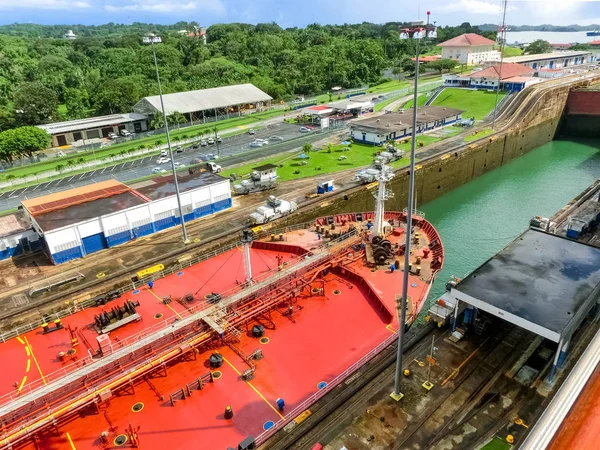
[383,194]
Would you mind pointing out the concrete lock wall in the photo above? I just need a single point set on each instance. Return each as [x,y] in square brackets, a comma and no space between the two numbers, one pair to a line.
[582,117]
[444,173]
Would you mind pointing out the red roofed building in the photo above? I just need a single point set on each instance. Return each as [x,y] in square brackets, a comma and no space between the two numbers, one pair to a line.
[514,77]
[595,44]
[561,46]
[470,48]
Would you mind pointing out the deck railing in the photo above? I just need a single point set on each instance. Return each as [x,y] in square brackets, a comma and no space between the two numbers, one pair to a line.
[262,438]
[230,296]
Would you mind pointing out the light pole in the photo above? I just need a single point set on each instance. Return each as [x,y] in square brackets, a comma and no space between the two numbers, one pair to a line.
[152,39]
[418,34]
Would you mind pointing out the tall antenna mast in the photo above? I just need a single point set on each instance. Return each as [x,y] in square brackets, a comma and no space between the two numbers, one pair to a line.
[502,44]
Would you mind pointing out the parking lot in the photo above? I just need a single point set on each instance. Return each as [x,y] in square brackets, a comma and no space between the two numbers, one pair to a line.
[233,150]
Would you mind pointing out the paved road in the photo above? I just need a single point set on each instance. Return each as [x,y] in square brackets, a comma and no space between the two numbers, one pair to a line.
[234,150]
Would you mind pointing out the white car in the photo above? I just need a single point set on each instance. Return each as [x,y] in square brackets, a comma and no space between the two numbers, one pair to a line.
[251,131]
[179,165]
[163,160]
[112,135]
[164,154]
[158,170]
[203,143]
[210,141]
[305,130]
[125,133]
[256,143]
[219,140]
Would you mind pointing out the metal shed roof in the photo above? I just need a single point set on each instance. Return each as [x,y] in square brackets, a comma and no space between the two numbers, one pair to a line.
[92,122]
[202,100]
[541,282]
[545,56]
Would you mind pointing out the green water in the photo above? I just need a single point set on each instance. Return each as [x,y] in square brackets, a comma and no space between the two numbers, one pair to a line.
[480,218]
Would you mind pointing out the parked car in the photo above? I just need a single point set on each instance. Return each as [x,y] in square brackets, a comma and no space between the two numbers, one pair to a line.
[219,140]
[179,149]
[210,141]
[251,131]
[374,99]
[164,153]
[381,96]
[203,143]
[60,153]
[125,133]
[209,157]
[179,165]
[305,129]
[196,145]
[112,135]
[163,160]
[159,170]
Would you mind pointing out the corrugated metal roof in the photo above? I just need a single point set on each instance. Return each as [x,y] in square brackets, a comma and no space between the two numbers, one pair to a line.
[203,100]
[92,122]
[83,194]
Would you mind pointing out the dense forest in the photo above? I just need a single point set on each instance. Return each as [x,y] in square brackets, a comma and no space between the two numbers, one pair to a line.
[107,69]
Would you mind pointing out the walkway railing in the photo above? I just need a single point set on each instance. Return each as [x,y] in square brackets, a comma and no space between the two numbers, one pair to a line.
[262,438]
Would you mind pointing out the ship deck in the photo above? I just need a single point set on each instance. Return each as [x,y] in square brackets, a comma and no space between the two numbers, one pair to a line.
[328,333]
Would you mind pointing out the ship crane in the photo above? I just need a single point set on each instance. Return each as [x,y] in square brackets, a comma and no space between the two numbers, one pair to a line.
[246,244]
[383,194]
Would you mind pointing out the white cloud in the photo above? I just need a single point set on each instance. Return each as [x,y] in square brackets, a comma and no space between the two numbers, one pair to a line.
[168,6]
[44,4]
[473,7]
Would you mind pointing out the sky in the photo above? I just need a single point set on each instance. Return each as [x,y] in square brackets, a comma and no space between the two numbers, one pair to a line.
[289,13]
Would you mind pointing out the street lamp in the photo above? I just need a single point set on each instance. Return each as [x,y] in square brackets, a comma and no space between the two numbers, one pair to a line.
[502,44]
[153,39]
[418,31]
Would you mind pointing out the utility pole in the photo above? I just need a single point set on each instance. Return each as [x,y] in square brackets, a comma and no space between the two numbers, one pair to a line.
[502,44]
[152,39]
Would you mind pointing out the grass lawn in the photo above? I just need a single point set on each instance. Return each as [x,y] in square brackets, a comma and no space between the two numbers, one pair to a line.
[497,444]
[512,51]
[379,106]
[476,104]
[121,149]
[421,99]
[388,86]
[320,162]
[479,134]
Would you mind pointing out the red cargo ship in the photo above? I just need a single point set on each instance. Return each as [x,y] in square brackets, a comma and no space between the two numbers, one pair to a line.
[222,352]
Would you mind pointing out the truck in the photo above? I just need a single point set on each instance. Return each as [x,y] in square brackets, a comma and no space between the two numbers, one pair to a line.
[213,167]
[390,154]
[274,209]
[367,176]
[262,178]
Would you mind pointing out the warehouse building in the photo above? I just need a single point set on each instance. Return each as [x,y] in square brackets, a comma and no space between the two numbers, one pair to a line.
[397,125]
[87,219]
[94,128]
[197,105]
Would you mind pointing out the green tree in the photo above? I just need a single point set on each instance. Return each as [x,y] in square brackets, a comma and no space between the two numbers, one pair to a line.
[407,64]
[22,142]
[35,104]
[307,148]
[156,121]
[77,103]
[538,46]
[441,64]
[176,118]
[117,96]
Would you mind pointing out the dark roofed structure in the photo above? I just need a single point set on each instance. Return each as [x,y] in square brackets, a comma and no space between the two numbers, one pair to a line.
[265,167]
[161,187]
[398,121]
[541,282]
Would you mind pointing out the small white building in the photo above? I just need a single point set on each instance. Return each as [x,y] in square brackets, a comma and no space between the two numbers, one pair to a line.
[555,60]
[377,130]
[470,48]
[70,35]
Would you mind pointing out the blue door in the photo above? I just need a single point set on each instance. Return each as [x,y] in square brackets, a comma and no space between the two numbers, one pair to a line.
[551,64]
[94,243]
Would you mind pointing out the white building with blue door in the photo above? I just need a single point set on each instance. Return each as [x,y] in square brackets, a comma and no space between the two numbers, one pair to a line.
[17,236]
[555,60]
[377,130]
[75,223]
